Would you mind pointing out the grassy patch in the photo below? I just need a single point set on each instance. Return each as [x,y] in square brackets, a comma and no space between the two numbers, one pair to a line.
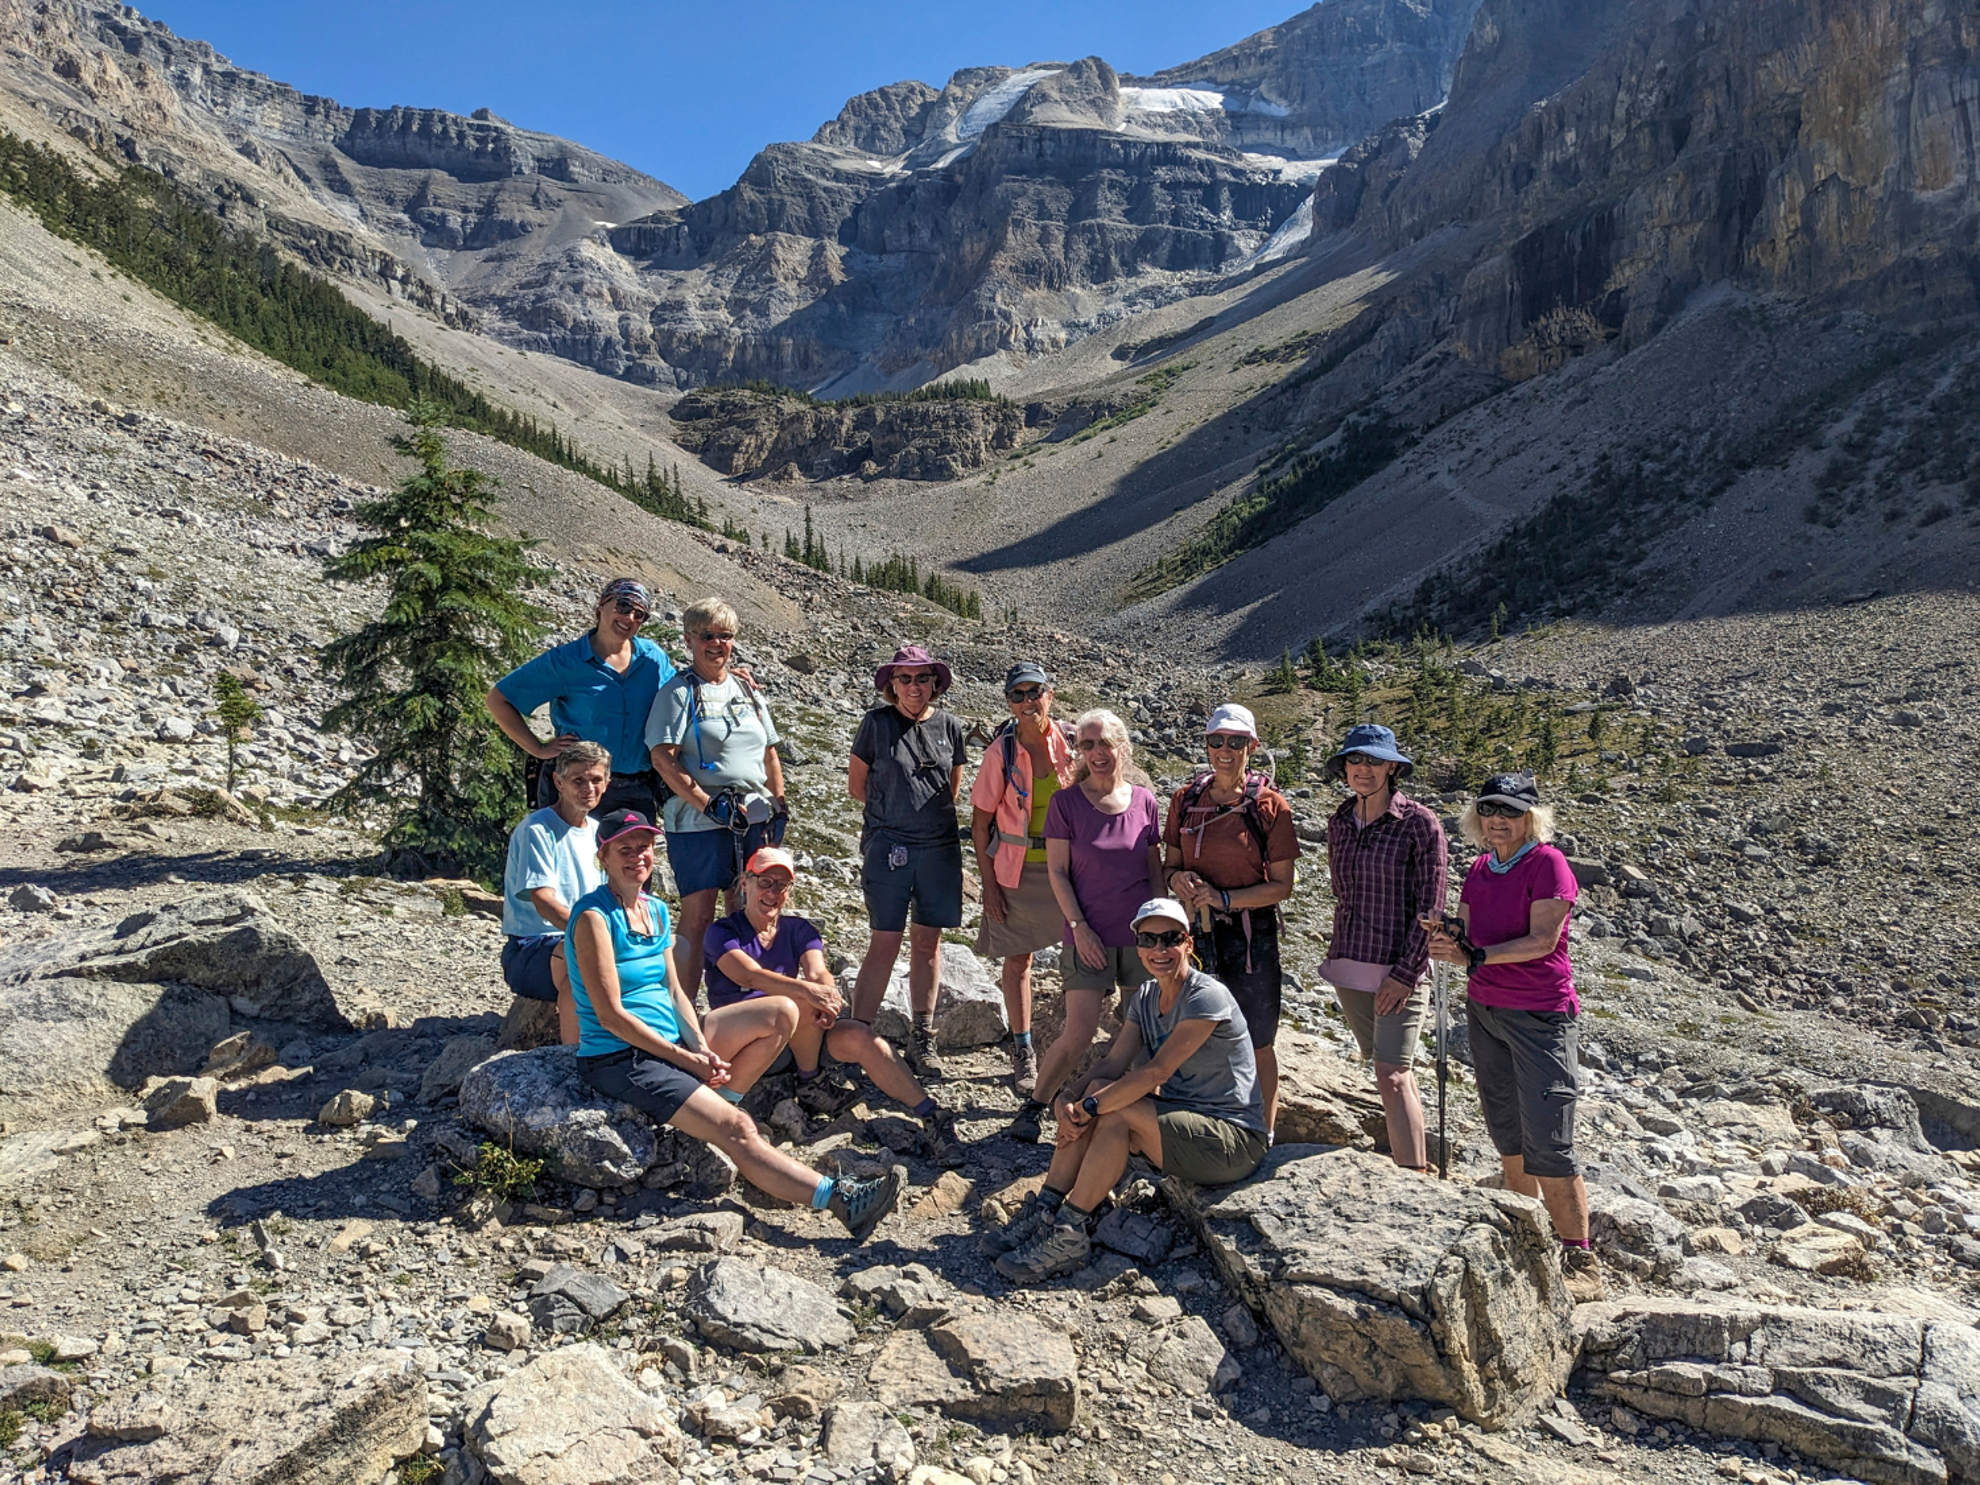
[502,1174]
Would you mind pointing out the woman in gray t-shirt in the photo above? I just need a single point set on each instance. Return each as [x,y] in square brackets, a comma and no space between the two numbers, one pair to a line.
[1183,1034]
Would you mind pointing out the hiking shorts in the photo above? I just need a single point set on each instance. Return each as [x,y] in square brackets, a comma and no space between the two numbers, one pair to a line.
[1526,1064]
[655,1087]
[1123,968]
[930,881]
[526,964]
[1249,969]
[1206,1151]
[1390,1040]
[711,860]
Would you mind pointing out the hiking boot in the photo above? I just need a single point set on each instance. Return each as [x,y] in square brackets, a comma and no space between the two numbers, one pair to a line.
[922,1057]
[939,1141]
[1583,1272]
[1062,1248]
[1026,1226]
[861,1204]
[1029,1125]
[828,1093]
[1024,1068]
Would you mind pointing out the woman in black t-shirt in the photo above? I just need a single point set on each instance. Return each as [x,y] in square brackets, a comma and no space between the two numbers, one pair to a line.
[906,769]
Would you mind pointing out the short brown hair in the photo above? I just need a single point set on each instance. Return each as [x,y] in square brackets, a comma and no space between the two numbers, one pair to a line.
[580,754]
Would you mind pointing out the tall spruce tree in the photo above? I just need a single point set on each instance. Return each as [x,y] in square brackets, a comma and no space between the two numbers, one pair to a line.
[412,680]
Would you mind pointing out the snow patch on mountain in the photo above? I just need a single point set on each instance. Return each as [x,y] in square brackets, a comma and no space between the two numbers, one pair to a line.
[999,100]
[1174,100]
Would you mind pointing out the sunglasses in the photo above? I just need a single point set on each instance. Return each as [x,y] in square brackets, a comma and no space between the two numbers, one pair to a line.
[1088,744]
[718,637]
[1491,807]
[1023,694]
[923,679]
[1364,760]
[1173,939]
[627,606]
[775,886]
[1233,740]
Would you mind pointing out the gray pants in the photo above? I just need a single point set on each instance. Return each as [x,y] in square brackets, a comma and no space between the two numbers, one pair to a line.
[1527,1066]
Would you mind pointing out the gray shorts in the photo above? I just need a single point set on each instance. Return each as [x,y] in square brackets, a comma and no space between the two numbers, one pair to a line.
[1032,920]
[1123,968]
[1207,1151]
[1527,1066]
[1388,1039]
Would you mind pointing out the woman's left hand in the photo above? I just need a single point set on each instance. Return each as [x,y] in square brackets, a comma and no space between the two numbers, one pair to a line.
[1393,996]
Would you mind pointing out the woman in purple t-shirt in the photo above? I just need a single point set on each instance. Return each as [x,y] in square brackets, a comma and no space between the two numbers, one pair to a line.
[1103,849]
[1523,1017]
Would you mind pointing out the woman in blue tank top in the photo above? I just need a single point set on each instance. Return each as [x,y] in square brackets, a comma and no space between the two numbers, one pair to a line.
[641,1043]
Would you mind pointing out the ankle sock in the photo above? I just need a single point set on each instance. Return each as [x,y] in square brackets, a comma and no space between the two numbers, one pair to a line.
[1072,1216]
[821,1198]
[806,1077]
[925,1024]
[1581,1243]
[730,1094]
[926,1107]
[1022,1038]
[1034,1106]
[1050,1200]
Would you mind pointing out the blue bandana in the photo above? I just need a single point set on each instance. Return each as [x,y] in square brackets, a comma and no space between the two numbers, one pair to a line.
[1492,858]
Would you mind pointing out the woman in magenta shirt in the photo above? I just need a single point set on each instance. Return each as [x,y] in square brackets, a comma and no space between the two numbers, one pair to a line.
[1523,1016]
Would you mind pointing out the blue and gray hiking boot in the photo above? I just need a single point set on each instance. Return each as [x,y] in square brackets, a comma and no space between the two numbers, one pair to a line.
[1021,1229]
[1062,1248]
[860,1204]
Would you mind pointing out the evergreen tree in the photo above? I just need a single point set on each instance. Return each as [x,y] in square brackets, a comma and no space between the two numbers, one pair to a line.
[236,711]
[1285,680]
[412,680]
[791,548]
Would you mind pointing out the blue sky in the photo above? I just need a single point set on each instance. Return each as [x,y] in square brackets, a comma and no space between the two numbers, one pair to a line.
[684,91]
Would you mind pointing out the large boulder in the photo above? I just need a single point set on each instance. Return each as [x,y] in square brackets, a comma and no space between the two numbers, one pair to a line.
[1893,1399]
[748,1307]
[969,1004]
[571,1417]
[295,1421]
[1639,1237]
[1385,1285]
[1006,1371]
[1324,1099]
[536,1101]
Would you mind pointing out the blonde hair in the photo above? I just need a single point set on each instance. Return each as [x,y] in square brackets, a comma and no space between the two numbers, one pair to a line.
[1114,730]
[1539,824]
[710,610]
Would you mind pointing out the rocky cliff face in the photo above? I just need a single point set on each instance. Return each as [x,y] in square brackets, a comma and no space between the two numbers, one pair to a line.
[750,433]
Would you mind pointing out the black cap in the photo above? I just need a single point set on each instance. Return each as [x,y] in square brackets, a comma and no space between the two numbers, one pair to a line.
[1026,673]
[1516,789]
[623,822]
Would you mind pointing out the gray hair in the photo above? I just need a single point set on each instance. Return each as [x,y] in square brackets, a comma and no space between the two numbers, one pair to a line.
[707,611]
[581,754]
[1115,731]
[1539,824]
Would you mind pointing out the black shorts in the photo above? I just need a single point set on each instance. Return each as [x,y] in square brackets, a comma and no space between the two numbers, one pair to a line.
[1527,1065]
[526,964]
[655,1087]
[930,880]
[1248,969]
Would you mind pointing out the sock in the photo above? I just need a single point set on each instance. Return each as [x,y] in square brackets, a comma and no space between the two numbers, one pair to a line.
[730,1094]
[1072,1216]
[1581,1243]
[1034,1106]
[925,1024]
[926,1107]
[1049,1199]
[806,1077]
[822,1197]
[1022,1038]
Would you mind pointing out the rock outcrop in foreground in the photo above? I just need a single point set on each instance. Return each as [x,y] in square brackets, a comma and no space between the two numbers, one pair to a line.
[1385,1285]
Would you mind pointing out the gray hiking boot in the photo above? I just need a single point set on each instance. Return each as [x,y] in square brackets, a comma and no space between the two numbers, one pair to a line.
[922,1057]
[1062,1248]
[828,1093]
[940,1142]
[1024,1068]
[1021,1229]
[861,1204]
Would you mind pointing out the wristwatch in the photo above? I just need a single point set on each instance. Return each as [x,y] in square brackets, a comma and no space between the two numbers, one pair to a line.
[1477,959]
[1091,1103]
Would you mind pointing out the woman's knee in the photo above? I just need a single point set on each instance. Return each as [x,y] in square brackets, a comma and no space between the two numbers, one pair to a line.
[788,1016]
[1392,1079]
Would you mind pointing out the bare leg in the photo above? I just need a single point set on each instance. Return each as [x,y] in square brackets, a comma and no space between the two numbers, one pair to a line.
[1268,1083]
[1017,991]
[706,1116]
[924,967]
[749,1035]
[870,987]
[1404,1111]
[1565,1197]
[697,912]
[805,1043]
[856,1042]
[567,1021]
[1115,1136]
[1075,1036]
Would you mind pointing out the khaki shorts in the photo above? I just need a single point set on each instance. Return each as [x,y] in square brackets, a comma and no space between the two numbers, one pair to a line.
[1388,1039]
[1123,968]
[1032,920]
[1206,1151]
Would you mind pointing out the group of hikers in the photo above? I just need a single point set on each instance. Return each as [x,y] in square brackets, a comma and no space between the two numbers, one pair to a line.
[1174,909]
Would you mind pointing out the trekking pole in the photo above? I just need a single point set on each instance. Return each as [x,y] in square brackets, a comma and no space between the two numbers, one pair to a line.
[1440,996]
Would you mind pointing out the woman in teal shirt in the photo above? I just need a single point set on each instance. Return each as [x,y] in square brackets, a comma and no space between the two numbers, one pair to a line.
[640,1042]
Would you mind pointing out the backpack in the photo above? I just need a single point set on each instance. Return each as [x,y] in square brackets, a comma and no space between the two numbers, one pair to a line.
[1255,785]
[1007,734]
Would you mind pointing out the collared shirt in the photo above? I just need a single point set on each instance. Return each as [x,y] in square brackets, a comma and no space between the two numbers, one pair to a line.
[546,850]
[1386,876]
[1011,798]
[591,700]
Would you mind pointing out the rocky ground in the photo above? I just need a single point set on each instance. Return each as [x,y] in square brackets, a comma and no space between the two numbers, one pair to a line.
[1780,1115]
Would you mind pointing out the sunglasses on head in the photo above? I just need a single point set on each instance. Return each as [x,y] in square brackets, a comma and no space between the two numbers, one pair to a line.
[1169,939]
[627,606]
[924,678]
[1490,807]
[1227,740]
[1020,694]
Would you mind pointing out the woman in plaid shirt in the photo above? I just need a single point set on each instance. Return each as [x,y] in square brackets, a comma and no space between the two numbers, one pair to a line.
[1387,856]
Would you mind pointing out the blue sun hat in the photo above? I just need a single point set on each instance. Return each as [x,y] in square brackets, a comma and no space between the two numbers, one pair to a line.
[1371,740]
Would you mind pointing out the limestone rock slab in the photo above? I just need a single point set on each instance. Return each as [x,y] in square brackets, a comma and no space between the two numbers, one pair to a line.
[748,1307]
[999,1369]
[1323,1098]
[1385,1285]
[969,1004]
[570,1417]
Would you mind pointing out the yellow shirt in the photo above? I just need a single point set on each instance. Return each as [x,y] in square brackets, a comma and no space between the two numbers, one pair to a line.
[1042,791]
